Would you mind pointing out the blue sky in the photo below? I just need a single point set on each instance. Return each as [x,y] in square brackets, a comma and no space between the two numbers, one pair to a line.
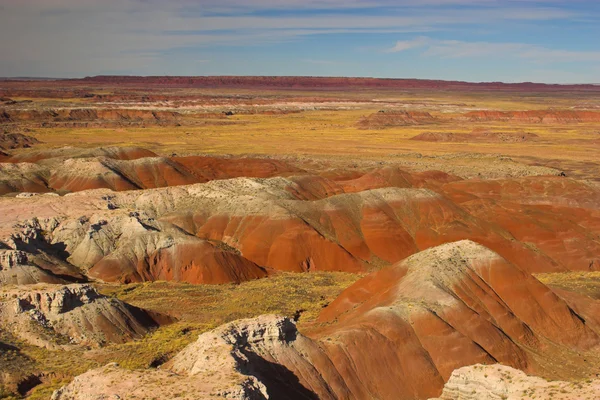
[473,40]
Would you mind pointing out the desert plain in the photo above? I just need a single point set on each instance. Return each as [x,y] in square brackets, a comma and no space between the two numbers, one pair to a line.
[298,238]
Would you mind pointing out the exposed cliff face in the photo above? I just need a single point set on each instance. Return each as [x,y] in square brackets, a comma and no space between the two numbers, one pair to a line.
[75,314]
[495,382]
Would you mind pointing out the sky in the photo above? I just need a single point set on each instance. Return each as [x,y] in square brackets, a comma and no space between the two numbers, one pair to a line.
[553,41]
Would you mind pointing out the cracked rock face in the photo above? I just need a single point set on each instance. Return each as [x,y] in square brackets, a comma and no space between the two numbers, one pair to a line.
[59,316]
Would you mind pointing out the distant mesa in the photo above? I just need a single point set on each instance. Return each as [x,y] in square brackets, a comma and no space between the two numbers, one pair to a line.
[316,83]
[389,119]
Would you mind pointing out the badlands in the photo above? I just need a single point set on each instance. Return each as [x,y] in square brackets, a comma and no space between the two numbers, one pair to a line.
[298,238]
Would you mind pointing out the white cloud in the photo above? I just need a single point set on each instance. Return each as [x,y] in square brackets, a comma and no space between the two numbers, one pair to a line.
[403,45]
[462,49]
[92,35]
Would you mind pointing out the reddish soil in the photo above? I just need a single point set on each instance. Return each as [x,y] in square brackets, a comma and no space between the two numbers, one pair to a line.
[450,306]
[193,262]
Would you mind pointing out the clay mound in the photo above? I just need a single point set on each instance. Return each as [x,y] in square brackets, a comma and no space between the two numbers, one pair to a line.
[74,175]
[491,382]
[10,141]
[118,169]
[392,176]
[23,177]
[555,216]
[347,232]
[118,153]
[540,191]
[87,115]
[534,116]
[123,246]
[450,306]
[263,221]
[478,136]
[74,314]
[79,174]
[226,168]
[260,222]
[390,119]
[156,257]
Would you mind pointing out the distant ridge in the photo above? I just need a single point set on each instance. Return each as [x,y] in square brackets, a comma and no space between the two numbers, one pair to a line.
[313,82]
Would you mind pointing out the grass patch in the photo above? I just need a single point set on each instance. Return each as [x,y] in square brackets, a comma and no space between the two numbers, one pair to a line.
[199,308]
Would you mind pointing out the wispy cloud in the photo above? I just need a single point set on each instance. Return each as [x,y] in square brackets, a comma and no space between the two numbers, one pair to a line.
[463,49]
[60,37]
[403,45]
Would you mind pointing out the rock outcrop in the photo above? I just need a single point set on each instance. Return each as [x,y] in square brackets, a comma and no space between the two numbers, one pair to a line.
[10,141]
[58,316]
[494,382]
[234,361]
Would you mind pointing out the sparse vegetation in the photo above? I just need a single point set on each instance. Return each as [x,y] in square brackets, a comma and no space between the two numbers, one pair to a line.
[199,308]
